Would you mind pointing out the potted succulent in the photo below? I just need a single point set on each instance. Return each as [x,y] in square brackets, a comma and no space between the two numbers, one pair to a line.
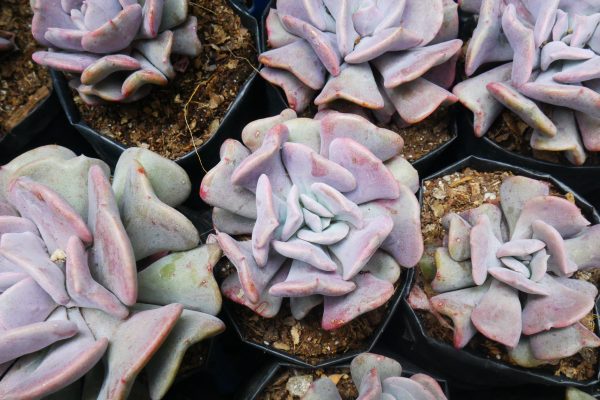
[531,86]
[369,376]
[379,60]
[71,245]
[27,100]
[174,77]
[508,288]
[332,219]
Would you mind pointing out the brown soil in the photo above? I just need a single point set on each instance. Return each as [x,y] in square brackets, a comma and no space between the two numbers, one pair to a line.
[23,83]
[462,191]
[341,376]
[423,138]
[510,132]
[187,112]
[305,338]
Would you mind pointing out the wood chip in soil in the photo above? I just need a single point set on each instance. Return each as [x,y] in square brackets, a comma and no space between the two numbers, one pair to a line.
[511,133]
[291,384]
[23,83]
[205,90]
[468,189]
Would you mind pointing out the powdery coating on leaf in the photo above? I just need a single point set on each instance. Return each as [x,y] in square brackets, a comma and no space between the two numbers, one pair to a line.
[51,257]
[554,47]
[376,55]
[115,50]
[327,208]
[480,293]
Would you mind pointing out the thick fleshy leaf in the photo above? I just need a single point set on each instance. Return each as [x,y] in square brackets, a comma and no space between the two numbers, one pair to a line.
[342,12]
[521,39]
[573,393]
[583,28]
[152,225]
[567,138]
[418,99]
[405,241]
[387,40]
[562,307]
[311,11]
[185,278]
[484,246]
[486,44]
[331,235]
[298,95]
[307,252]
[301,306]
[383,143]
[413,388]
[589,128]
[23,304]
[374,180]
[265,160]
[493,213]
[56,220]
[106,66]
[354,83]
[522,354]
[233,224]
[253,134]
[370,386]
[191,328]
[417,11]
[516,266]
[7,279]
[254,280]
[557,344]
[582,249]
[266,305]
[515,191]
[114,35]
[48,14]
[473,94]
[299,59]
[520,248]
[42,373]
[133,344]
[27,251]
[559,261]
[322,389]
[306,167]
[450,274]
[557,212]
[114,262]
[277,36]
[370,294]
[364,363]
[266,221]
[518,281]
[83,289]
[498,314]
[28,339]
[305,280]
[529,112]
[399,68]
[559,50]
[323,44]
[458,305]
[430,385]
[217,189]
[580,72]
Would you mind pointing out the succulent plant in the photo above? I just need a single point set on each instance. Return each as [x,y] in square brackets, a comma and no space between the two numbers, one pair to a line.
[379,378]
[71,294]
[395,58]
[115,50]
[551,78]
[7,41]
[331,209]
[507,272]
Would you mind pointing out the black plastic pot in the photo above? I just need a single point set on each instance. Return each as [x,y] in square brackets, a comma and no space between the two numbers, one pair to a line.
[468,367]
[393,304]
[584,179]
[253,101]
[30,127]
[264,377]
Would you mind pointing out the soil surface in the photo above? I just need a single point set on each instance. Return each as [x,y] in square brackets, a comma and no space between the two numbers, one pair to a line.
[23,83]
[469,189]
[305,338]
[188,111]
[511,133]
[289,384]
